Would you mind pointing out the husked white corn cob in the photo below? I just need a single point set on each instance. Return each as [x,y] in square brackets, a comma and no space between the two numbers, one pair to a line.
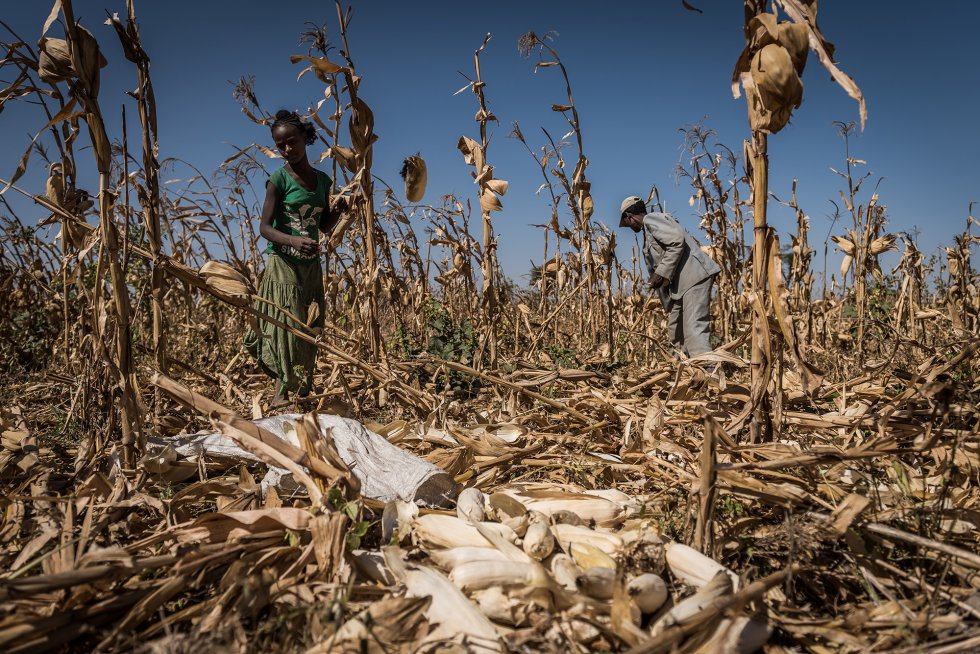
[519,524]
[648,591]
[564,570]
[436,530]
[449,559]
[599,583]
[477,575]
[471,505]
[694,568]
[587,507]
[539,542]
[605,541]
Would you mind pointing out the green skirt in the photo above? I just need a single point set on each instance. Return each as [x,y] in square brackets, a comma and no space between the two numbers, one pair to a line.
[281,354]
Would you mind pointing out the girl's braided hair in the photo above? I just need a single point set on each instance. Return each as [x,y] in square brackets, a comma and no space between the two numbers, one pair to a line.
[286,117]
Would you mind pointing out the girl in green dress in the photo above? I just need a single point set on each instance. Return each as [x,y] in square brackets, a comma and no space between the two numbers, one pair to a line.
[296,210]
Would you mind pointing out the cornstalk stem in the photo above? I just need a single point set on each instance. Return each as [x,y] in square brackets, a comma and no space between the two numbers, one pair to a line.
[760,191]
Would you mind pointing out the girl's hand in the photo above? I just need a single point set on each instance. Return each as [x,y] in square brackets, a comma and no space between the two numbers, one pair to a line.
[305,245]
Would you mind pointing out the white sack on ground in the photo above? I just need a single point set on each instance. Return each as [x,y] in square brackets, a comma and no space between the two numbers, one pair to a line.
[386,472]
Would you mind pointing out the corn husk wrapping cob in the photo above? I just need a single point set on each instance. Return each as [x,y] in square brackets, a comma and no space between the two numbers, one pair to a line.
[416,176]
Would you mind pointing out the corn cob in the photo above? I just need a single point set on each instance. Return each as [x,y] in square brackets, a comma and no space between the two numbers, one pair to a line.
[694,568]
[648,591]
[436,530]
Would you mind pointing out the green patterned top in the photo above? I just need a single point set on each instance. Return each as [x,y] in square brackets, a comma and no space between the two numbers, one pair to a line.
[298,212]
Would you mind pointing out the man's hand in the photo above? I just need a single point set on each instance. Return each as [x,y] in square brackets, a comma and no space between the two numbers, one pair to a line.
[658,281]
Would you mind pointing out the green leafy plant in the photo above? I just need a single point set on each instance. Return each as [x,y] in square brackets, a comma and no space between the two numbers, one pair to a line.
[352,509]
[451,339]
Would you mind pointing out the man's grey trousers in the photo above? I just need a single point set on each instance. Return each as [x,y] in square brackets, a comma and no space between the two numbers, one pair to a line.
[688,320]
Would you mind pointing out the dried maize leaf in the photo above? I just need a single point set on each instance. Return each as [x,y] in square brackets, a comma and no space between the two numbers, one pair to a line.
[454,461]
[320,64]
[804,13]
[812,377]
[91,59]
[472,153]
[795,39]
[762,30]
[218,269]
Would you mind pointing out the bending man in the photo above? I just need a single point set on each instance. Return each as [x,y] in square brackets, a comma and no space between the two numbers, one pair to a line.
[679,270]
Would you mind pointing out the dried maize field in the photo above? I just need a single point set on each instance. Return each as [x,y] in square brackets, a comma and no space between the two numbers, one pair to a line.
[482,467]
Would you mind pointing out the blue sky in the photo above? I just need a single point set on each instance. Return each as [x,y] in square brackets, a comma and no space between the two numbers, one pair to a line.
[639,71]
